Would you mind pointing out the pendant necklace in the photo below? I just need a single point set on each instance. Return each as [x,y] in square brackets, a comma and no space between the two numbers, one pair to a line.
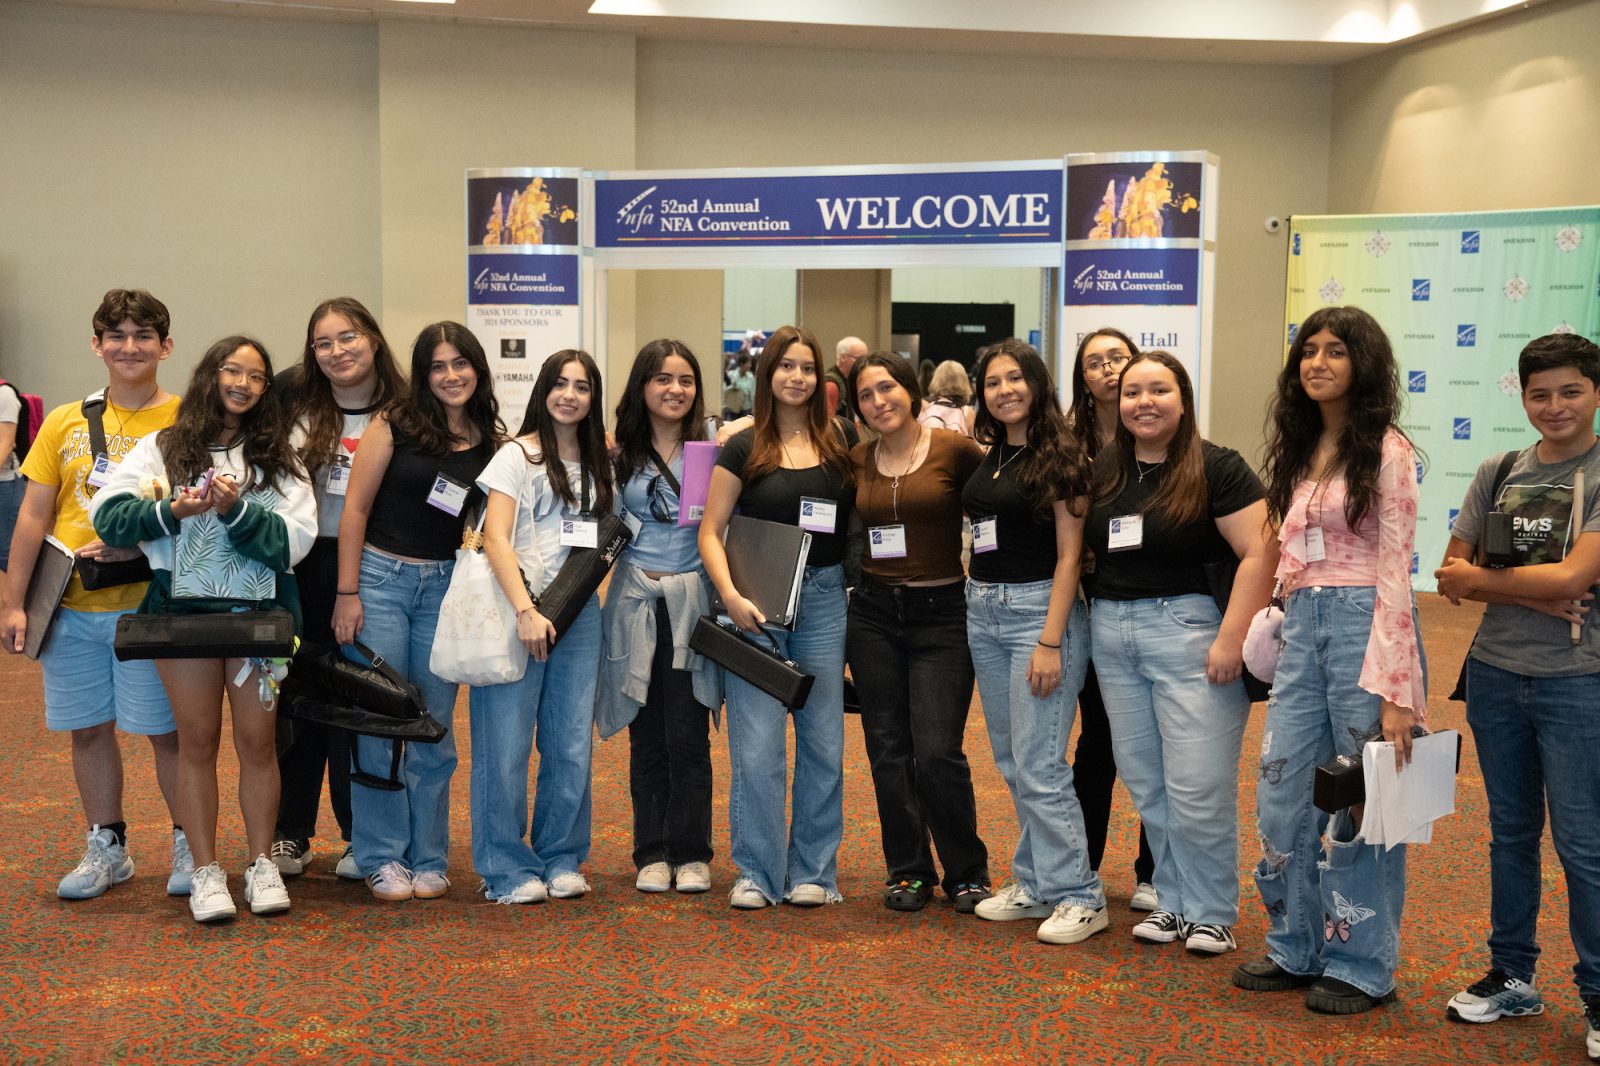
[1000,450]
[1142,470]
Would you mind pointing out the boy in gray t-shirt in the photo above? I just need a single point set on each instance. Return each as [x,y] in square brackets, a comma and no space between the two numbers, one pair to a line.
[1533,677]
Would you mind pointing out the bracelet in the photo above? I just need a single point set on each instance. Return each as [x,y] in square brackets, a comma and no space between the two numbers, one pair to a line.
[353,592]
[1052,647]
[525,610]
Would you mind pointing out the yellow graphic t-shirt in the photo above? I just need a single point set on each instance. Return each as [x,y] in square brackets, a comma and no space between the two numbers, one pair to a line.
[61,457]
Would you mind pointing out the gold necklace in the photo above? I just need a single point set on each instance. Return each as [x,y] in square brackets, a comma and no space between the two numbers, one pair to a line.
[1000,449]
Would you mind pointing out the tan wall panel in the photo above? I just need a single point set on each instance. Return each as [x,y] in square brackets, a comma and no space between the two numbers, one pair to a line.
[834,304]
[685,305]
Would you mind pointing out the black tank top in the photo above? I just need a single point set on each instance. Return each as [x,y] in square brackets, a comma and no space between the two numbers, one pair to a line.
[402,521]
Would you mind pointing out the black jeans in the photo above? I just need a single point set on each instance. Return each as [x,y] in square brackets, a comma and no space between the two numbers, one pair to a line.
[1094,771]
[907,649]
[669,764]
[304,748]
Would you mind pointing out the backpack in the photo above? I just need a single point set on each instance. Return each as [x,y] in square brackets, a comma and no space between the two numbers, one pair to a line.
[29,417]
[943,413]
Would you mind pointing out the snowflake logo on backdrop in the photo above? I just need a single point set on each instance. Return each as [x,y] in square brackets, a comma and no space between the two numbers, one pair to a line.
[1331,291]
[1509,383]
[1377,244]
[1568,238]
[1516,288]
[1562,327]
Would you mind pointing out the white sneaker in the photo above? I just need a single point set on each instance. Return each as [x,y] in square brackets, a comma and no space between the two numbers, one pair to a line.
[1144,897]
[657,877]
[263,887]
[104,864]
[208,895]
[1162,927]
[1013,902]
[1209,939]
[694,877]
[347,867]
[533,890]
[807,895]
[429,884]
[1072,923]
[746,896]
[391,882]
[569,885]
[182,865]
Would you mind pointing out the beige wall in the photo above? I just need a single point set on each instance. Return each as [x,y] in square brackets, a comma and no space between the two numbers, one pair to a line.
[228,165]
[1502,116]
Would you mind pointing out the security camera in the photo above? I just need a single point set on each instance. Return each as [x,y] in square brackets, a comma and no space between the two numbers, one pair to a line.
[1273,224]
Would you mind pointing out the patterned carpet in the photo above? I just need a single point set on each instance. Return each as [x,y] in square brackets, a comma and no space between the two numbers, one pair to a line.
[621,976]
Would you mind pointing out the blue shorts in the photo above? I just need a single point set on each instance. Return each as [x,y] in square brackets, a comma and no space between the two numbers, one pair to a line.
[85,685]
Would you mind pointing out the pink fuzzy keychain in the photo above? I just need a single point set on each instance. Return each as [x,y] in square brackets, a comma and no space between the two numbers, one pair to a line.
[1263,643]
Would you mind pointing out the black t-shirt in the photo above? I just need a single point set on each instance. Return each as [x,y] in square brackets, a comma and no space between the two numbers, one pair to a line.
[776,496]
[1027,544]
[402,521]
[1169,561]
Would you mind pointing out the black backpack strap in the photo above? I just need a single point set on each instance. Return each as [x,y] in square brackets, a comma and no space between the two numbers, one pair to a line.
[1501,472]
[94,411]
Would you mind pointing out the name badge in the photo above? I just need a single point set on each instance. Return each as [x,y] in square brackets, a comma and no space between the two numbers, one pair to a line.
[1125,533]
[338,480]
[985,534]
[449,495]
[580,533]
[697,511]
[101,472]
[632,522]
[887,542]
[1316,550]
[818,516]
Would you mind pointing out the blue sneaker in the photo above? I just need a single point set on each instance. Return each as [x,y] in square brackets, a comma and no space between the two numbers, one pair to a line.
[1496,996]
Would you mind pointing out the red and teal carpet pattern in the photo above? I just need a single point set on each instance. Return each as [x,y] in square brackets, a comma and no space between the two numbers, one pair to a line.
[621,976]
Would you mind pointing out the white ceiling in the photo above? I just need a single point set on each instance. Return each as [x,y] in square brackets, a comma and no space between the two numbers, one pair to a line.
[1255,31]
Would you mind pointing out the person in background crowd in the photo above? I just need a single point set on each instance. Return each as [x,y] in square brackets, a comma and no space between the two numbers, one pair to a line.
[1342,484]
[925,371]
[666,693]
[949,400]
[906,640]
[87,691]
[744,380]
[231,480]
[346,374]
[1093,418]
[1029,635]
[836,381]
[792,466]
[1172,511]
[12,484]
[1533,677]
[413,477]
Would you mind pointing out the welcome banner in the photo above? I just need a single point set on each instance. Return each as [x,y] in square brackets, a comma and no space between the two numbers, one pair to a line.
[1459,296]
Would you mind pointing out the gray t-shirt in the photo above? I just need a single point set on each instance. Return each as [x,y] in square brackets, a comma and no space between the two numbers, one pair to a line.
[1538,496]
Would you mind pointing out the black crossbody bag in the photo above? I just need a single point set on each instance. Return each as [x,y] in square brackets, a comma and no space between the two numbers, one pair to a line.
[94,574]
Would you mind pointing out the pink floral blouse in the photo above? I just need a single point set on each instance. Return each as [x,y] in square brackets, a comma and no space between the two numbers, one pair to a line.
[1378,554]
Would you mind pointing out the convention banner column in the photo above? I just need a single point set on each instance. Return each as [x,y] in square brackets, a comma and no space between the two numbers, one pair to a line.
[1140,231]
[523,259]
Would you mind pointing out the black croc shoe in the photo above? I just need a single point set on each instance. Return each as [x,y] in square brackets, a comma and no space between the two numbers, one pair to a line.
[908,896]
[1333,996]
[968,895]
[1264,975]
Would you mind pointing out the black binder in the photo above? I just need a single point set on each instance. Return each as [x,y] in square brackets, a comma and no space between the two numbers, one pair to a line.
[766,561]
[52,573]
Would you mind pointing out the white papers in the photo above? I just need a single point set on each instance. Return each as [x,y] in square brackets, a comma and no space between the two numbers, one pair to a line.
[1402,805]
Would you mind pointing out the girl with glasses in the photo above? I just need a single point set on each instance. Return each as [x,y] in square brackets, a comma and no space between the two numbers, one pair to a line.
[664,692]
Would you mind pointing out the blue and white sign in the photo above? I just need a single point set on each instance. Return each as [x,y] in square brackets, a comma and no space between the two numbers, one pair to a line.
[785,210]
[1116,276]
[522,279]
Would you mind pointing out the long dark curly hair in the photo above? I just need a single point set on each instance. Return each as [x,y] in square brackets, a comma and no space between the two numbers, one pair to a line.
[421,417]
[324,421]
[537,422]
[1080,416]
[1056,467]
[633,430]
[1294,421]
[263,430]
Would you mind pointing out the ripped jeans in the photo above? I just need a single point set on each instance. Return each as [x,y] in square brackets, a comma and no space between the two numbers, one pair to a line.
[1336,912]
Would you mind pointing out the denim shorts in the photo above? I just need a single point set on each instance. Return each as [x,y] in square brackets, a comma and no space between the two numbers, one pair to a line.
[85,685]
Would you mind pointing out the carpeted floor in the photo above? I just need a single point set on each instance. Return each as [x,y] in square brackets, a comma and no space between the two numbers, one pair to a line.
[623,976]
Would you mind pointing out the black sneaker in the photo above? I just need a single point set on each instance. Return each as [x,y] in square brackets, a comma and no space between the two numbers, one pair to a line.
[1333,996]
[968,895]
[291,856]
[908,896]
[1265,975]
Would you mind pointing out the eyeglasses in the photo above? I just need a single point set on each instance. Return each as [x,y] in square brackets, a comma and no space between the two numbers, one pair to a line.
[1106,366]
[661,508]
[232,375]
[345,341]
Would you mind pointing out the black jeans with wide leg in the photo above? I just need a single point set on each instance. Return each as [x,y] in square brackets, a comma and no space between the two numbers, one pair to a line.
[305,748]
[1094,771]
[669,764]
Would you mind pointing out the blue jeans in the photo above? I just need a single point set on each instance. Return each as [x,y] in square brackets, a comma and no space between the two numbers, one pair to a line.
[554,702]
[400,606]
[756,752]
[1177,739]
[1538,741]
[1337,915]
[1029,735]
[11,493]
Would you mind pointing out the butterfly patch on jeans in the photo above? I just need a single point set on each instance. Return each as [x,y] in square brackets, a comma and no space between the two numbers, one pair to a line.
[1349,914]
[1272,772]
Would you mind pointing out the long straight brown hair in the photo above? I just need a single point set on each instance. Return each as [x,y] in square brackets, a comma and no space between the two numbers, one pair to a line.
[1182,497]
[766,455]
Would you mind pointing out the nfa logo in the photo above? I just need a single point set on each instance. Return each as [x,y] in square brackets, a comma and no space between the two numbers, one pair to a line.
[1421,289]
[1453,512]
[636,214]
[480,284]
[1470,242]
[1416,381]
[1461,429]
[1085,279]
[1294,331]
[1416,561]
[1467,336]
[1295,246]
[1419,471]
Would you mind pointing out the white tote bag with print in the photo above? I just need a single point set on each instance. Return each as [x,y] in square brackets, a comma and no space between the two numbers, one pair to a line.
[476,642]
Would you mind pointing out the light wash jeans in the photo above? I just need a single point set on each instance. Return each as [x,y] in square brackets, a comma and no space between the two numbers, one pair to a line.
[554,702]
[757,751]
[1336,914]
[400,608]
[1029,735]
[1538,741]
[1177,739]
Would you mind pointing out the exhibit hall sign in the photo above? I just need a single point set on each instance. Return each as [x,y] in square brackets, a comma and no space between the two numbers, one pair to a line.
[1140,236]
[524,264]
[1459,296]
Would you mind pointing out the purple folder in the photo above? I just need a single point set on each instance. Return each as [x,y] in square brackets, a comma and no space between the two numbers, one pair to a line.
[699,456]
